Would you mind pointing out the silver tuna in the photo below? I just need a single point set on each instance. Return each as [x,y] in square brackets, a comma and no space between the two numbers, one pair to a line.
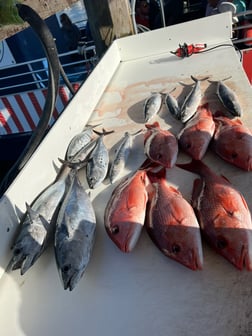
[37,227]
[192,101]
[229,99]
[75,234]
[152,106]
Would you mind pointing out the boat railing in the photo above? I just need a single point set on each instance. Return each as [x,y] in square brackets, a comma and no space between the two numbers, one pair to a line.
[33,74]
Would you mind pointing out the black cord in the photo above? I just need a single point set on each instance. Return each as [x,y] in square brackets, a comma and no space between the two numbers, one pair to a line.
[66,80]
[49,46]
[222,45]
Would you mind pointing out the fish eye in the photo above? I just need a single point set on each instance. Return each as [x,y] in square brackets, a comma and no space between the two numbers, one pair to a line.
[234,155]
[115,229]
[188,145]
[221,243]
[17,251]
[176,248]
[66,268]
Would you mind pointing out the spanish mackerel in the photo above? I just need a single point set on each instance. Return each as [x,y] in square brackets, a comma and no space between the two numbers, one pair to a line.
[79,141]
[98,162]
[121,155]
[37,226]
[152,105]
[74,234]
[192,101]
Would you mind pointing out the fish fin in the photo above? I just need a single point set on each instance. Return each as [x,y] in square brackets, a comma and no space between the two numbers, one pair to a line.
[193,166]
[196,79]
[26,264]
[154,176]
[216,81]
[198,184]
[74,165]
[225,178]
[92,126]
[148,164]
[172,90]
[154,125]
[30,212]
[44,222]
[104,132]
[138,132]
[218,113]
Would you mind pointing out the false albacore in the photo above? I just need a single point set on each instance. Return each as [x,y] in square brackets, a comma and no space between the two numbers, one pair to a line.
[37,226]
[74,234]
[229,99]
[152,106]
[192,101]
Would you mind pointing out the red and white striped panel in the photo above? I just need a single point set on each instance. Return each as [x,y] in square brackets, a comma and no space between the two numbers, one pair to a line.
[21,112]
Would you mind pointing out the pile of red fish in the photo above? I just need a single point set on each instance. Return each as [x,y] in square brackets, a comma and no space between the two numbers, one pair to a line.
[218,212]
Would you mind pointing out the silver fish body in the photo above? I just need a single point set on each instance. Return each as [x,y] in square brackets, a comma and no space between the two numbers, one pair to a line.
[152,106]
[78,160]
[74,234]
[97,165]
[121,156]
[79,141]
[229,99]
[36,227]
[172,106]
[191,103]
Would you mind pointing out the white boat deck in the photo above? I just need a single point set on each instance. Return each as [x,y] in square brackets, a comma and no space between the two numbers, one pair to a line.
[141,293]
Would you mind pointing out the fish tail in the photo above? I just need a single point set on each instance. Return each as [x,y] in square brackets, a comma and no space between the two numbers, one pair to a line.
[196,79]
[93,126]
[195,166]
[155,176]
[138,132]
[154,125]
[148,164]
[104,132]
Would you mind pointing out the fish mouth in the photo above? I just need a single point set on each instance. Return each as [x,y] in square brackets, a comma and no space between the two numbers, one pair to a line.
[132,238]
[197,261]
[22,262]
[70,278]
[244,261]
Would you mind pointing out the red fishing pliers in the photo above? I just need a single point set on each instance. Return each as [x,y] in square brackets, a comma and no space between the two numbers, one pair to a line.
[186,50]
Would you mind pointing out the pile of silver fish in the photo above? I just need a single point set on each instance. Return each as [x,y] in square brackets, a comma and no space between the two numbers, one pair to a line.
[64,215]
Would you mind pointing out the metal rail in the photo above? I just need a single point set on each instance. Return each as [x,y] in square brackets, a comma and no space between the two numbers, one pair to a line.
[23,76]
